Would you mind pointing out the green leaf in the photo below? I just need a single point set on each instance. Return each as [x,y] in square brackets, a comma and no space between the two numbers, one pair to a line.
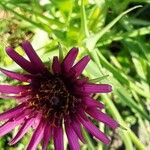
[92,40]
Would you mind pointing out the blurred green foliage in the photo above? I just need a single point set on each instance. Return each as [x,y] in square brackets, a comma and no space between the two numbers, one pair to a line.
[115,33]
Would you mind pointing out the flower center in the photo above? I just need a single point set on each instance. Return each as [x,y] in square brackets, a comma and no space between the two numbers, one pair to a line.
[54,100]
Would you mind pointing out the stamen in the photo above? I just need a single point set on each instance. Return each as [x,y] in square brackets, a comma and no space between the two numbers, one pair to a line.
[54,100]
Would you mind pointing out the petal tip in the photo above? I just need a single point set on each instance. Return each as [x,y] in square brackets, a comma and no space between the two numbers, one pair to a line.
[109,88]
[25,42]
[8,49]
[74,50]
[88,58]
[10,143]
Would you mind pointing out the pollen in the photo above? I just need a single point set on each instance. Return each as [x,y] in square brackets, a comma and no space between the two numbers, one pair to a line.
[53,100]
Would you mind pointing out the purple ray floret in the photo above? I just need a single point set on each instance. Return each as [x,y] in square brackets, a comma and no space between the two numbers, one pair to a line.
[53,101]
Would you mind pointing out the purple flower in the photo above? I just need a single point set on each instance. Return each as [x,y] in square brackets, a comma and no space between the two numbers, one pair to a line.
[53,100]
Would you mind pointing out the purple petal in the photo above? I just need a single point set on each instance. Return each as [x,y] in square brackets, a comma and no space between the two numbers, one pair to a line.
[14,75]
[80,66]
[90,102]
[34,58]
[21,61]
[36,121]
[82,114]
[8,126]
[22,131]
[8,89]
[100,116]
[56,65]
[58,138]
[82,81]
[21,98]
[72,138]
[94,130]
[11,124]
[12,112]
[47,136]
[9,97]
[76,127]
[37,136]
[95,88]
[69,59]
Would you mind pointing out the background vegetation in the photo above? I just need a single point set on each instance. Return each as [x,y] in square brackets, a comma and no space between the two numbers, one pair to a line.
[115,33]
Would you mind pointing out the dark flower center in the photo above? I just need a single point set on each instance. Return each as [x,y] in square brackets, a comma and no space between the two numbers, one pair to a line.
[54,100]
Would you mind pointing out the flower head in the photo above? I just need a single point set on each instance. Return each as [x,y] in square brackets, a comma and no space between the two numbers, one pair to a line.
[53,100]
